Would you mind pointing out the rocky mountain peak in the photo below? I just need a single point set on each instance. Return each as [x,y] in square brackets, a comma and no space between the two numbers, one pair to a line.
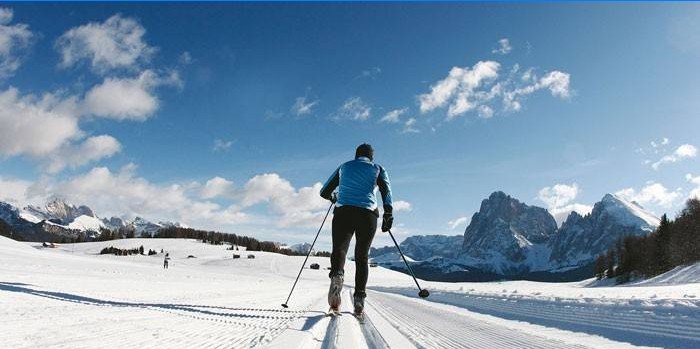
[505,231]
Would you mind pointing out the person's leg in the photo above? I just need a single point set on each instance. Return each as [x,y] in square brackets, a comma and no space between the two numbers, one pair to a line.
[342,234]
[366,225]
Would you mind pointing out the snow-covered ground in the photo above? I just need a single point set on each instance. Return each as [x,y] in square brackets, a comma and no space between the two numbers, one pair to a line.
[72,297]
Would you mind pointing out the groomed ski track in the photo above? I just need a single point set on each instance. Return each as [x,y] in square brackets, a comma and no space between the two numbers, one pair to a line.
[71,297]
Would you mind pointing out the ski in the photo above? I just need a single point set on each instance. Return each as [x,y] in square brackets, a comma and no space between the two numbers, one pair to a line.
[360,317]
[333,312]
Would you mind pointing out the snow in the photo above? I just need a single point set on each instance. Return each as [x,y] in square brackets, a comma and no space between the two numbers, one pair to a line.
[28,216]
[86,223]
[72,297]
[621,208]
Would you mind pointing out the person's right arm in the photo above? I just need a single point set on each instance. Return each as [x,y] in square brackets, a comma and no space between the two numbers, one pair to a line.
[332,183]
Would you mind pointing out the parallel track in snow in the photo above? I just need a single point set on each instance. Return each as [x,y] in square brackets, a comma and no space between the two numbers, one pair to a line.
[672,327]
[427,328]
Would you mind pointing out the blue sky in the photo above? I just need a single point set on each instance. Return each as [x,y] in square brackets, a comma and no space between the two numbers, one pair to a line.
[226,116]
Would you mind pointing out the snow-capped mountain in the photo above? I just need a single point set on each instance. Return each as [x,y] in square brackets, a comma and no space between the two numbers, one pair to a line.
[63,219]
[425,247]
[581,239]
[300,248]
[508,238]
[59,211]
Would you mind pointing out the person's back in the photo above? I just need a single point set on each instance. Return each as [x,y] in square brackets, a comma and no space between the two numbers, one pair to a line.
[356,213]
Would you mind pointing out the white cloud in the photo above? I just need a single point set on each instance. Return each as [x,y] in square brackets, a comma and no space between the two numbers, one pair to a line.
[561,213]
[74,155]
[116,43]
[353,109]
[651,194]
[124,193]
[14,191]
[485,111]
[393,116]
[127,98]
[35,126]
[558,195]
[695,192]
[409,126]
[401,205]
[302,106]
[14,42]
[216,187]
[222,145]
[458,89]
[557,82]
[477,88]
[457,222]
[185,58]
[303,207]
[559,200]
[685,151]
[6,15]
[503,48]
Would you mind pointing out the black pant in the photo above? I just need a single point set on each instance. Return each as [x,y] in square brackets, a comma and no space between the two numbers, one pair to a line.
[346,221]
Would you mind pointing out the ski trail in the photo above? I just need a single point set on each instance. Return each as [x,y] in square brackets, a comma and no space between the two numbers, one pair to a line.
[372,336]
[452,327]
[675,326]
[330,341]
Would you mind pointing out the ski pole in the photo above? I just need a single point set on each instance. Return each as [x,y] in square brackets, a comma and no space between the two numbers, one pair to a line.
[423,293]
[284,305]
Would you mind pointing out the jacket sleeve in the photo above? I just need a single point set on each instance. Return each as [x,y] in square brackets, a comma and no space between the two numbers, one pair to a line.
[385,189]
[331,184]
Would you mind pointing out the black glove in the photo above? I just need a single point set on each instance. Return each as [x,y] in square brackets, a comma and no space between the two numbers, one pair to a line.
[387,221]
[334,197]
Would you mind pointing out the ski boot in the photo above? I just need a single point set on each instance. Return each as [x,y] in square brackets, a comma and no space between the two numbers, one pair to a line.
[334,292]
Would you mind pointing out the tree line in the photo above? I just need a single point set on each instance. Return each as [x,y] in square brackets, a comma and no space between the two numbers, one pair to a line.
[672,244]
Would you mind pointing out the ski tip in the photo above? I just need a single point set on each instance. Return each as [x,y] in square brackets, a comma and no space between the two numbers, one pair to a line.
[423,293]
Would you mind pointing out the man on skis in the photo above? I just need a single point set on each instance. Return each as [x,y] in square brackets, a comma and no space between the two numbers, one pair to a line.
[356,213]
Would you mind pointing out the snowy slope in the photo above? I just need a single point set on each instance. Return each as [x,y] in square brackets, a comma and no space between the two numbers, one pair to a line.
[86,223]
[71,297]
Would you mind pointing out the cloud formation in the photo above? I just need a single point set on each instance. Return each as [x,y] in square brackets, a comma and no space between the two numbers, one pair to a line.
[217,187]
[117,43]
[46,127]
[695,180]
[503,48]
[652,193]
[457,223]
[355,109]
[222,145]
[477,88]
[75,155]
[15,40]
[684,151]
[401,205]
[303,107]
[393,116]
[35,126]
[559,200]
[127,98]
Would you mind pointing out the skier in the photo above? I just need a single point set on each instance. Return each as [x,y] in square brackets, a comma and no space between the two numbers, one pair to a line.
[356,213]
[165,260]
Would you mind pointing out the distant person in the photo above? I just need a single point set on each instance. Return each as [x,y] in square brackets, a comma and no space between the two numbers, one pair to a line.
[356,213]
[165,260]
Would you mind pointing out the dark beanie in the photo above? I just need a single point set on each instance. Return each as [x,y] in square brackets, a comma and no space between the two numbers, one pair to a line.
[364,150]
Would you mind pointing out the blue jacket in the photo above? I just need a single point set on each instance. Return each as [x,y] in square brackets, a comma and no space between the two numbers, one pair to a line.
[357,181]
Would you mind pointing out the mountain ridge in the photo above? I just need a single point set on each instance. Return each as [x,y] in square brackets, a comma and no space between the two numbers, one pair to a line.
[510,239]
